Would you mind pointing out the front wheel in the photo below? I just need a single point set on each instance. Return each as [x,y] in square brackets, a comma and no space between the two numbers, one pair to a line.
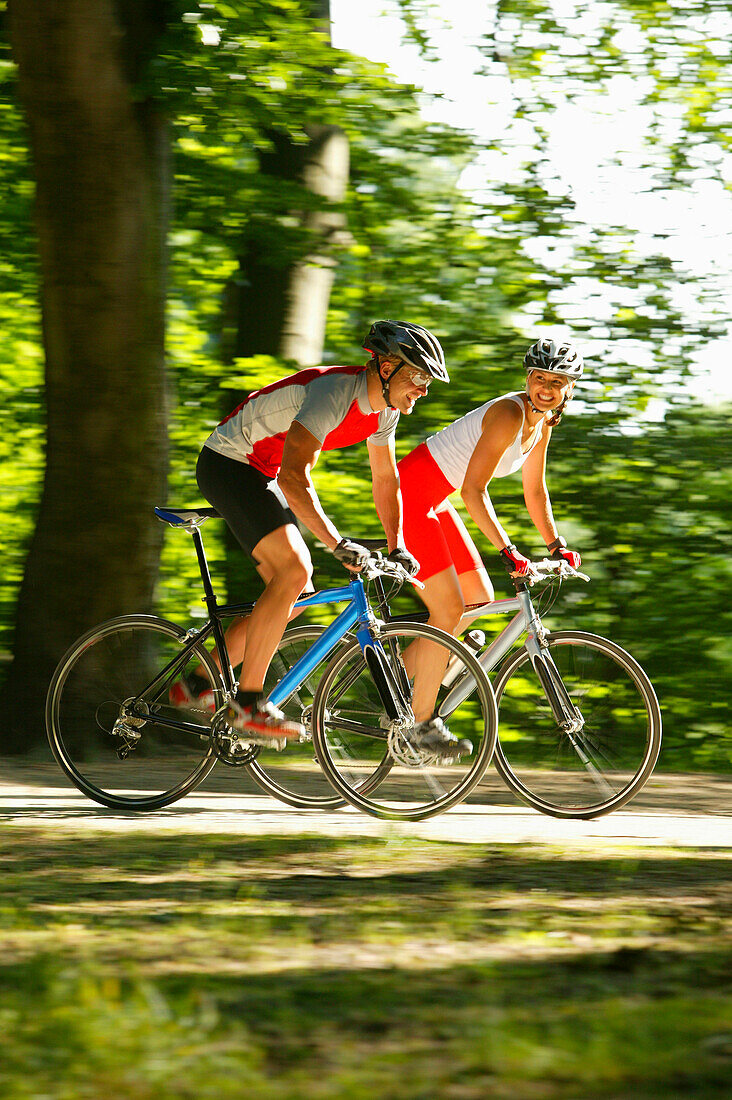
[366,753]
[111,723]
[605,755]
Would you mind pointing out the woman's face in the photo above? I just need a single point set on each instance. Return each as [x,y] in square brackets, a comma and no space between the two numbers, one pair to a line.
[546,389]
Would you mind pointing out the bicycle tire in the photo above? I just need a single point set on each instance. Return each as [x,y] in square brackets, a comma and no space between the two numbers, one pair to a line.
[85,705]
[620,740]
[294,776]
[348,709]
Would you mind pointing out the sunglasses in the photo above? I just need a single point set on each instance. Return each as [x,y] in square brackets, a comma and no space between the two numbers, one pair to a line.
[418,377]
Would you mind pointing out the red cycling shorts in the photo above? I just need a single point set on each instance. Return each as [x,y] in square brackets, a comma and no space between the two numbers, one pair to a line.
[433,531]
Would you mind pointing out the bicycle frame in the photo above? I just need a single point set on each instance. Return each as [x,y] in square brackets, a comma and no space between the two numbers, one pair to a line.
[525,621]
[358,613]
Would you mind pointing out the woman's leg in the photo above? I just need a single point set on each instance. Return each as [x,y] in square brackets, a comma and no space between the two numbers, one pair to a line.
[446,595]
[476,589]
[423,659]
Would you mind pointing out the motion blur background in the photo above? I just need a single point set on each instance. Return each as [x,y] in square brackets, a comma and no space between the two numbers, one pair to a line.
[491,171]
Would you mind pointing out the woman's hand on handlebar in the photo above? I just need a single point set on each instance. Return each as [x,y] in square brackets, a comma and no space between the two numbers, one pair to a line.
[557,567]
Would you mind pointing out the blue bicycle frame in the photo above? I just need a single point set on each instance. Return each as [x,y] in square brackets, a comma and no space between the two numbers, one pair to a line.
[358,611]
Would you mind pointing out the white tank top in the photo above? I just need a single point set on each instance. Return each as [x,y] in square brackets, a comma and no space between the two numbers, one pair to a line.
[453,447]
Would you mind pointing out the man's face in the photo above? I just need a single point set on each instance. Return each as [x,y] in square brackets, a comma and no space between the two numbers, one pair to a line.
[407,386]
[546,389]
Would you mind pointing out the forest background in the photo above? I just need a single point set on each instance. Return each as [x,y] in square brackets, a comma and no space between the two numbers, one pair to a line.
[294,193]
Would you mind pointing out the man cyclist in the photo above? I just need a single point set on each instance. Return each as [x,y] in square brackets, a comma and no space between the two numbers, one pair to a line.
[256,470]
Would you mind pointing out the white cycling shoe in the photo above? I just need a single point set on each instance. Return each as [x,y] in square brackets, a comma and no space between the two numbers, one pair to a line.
[434,736]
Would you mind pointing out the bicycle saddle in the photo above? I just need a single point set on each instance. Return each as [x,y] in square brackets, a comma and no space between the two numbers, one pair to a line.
[186,517]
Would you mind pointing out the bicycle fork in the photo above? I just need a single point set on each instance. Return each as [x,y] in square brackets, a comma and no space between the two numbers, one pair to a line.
[391,683]
[567,716]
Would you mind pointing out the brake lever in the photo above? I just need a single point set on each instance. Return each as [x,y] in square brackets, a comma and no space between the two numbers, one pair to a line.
[383,567]
[562,570]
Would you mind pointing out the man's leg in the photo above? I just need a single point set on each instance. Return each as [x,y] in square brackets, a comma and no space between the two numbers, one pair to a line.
[266,529]
[236,635]
[285,559]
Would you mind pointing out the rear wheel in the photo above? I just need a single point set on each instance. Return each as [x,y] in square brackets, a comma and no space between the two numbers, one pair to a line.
[294,775]
[604,759]
[367,754]
[107,708]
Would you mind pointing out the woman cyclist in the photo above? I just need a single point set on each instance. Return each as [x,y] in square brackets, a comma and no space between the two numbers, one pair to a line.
[501,436]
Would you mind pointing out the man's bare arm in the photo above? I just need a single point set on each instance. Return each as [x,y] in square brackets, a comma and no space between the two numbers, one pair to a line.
[300,455]
[387,495]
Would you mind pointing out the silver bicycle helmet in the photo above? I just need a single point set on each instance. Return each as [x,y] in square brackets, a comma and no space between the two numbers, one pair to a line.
[410,343]
[555,357]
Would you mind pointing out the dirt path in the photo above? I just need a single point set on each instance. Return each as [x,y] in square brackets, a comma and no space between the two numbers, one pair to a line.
[691,810]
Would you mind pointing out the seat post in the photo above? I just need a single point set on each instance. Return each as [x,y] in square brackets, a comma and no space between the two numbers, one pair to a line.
[209,593]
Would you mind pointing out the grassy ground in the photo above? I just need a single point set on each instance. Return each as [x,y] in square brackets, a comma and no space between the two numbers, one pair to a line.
[164,966]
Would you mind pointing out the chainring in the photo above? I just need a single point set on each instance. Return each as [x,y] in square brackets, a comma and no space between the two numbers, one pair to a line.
[403,752]
[228,746]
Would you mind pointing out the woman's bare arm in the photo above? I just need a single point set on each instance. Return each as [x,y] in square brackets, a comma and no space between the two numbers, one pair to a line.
[501,424]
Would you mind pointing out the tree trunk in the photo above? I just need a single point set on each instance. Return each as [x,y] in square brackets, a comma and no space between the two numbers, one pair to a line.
[286,260]
[101,168]
[283,294]
[279,302]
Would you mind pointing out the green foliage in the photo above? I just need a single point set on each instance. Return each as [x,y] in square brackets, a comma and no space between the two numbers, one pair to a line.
[313,968]
[651,508]
[21,356]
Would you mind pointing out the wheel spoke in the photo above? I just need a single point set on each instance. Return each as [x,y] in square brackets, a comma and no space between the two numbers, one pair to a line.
[590,770]
[383,771]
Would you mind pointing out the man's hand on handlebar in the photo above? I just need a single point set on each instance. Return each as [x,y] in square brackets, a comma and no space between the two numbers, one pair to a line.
[351,554]
[399,564]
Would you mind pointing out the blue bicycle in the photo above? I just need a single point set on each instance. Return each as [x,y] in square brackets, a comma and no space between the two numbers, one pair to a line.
[115,732]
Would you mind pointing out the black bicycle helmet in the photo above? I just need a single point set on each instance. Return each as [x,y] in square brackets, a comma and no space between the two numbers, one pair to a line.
[555,357]
[410,343]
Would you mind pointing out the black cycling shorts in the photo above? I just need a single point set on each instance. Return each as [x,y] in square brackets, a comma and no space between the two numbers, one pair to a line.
[241,495]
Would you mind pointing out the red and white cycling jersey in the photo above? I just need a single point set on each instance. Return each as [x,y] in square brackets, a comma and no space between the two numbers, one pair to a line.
[331,402]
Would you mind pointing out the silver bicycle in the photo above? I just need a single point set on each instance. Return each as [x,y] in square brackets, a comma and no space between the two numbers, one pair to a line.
[579,725]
